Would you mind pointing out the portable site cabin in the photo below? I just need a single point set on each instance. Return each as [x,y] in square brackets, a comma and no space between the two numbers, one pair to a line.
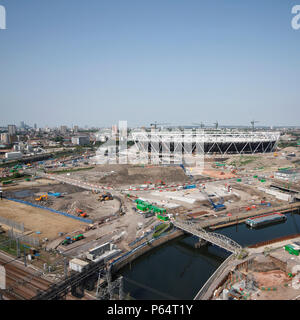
[158,210]
[138,201]
[163,218]
[142,207]
[291,249]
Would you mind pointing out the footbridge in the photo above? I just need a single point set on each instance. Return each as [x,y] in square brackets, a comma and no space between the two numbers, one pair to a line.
[212,237]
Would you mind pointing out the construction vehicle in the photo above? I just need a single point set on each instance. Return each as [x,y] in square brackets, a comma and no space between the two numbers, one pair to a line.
[67,241]
[77,237]
[81,213]
[42,198]
[105,197]
[217,207]
[160,183]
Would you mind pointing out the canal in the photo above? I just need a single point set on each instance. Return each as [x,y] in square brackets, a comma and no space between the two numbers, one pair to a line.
[177,270]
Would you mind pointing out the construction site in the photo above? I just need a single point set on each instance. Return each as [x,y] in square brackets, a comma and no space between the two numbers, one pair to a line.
[102,215]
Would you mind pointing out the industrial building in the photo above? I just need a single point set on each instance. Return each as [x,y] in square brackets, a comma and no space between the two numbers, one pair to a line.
[290,175]
[13,155]
[81,140]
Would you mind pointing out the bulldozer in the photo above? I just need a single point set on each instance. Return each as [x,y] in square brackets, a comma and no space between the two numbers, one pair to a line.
[105,197]
[42,198]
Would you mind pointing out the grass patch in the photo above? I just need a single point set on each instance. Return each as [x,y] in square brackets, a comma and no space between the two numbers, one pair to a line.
[10,246]
[242,161]
[161,229]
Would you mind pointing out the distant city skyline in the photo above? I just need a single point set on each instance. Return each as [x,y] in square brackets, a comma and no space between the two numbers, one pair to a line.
[71,63]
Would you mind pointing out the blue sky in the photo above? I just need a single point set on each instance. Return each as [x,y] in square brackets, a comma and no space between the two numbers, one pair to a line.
[177,61]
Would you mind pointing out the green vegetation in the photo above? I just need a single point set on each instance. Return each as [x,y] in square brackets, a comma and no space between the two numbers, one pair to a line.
[283,145]
[10,246]
[243,254]
[242,161]
[16,175]
[161,229]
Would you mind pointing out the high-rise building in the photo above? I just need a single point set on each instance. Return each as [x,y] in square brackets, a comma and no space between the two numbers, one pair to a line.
[114,130]
[75,129]
[12,130]
[5,138]
[63,129]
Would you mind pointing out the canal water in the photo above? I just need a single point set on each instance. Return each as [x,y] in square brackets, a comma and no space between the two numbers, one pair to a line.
[177,270]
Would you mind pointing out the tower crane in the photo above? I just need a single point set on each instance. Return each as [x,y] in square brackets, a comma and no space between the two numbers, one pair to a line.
[253,123]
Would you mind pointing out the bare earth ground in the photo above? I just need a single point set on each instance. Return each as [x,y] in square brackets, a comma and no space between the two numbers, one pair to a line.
[116,174]
[48,223]
[217,174]
[271,278]
[27,184]
[73,198]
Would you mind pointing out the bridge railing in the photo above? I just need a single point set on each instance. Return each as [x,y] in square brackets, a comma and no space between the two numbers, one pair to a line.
[215,238]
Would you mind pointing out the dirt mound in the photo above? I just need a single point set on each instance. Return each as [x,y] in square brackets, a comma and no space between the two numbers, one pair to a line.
[139,175]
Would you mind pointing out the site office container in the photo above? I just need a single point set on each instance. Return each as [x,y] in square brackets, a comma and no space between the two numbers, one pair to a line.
[163,218]
[191,186]
[159,210]
[142,207]
[290,249]
[138,201]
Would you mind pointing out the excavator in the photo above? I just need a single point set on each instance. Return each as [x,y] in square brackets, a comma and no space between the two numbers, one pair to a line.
[81,213]
[105,197]
[42,198]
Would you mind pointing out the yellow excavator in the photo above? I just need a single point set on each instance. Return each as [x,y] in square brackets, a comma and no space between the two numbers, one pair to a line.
[42,198]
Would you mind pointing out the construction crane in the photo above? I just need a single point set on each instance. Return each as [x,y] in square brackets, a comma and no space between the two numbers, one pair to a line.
[253,123]
[155,124]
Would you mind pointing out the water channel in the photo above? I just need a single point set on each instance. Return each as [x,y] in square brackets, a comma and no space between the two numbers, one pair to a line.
[177,270]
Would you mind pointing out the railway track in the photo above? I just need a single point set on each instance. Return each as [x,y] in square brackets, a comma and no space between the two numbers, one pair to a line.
[22,284]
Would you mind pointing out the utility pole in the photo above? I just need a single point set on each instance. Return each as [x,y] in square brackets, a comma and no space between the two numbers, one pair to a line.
[98,284]
[121,288]
[109,284]
[65,267]
[25,261]
[18,248]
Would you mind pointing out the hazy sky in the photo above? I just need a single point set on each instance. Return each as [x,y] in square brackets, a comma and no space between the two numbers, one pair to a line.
[96,62]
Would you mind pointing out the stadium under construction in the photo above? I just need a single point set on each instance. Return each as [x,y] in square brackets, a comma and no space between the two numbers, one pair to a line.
[206,141]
